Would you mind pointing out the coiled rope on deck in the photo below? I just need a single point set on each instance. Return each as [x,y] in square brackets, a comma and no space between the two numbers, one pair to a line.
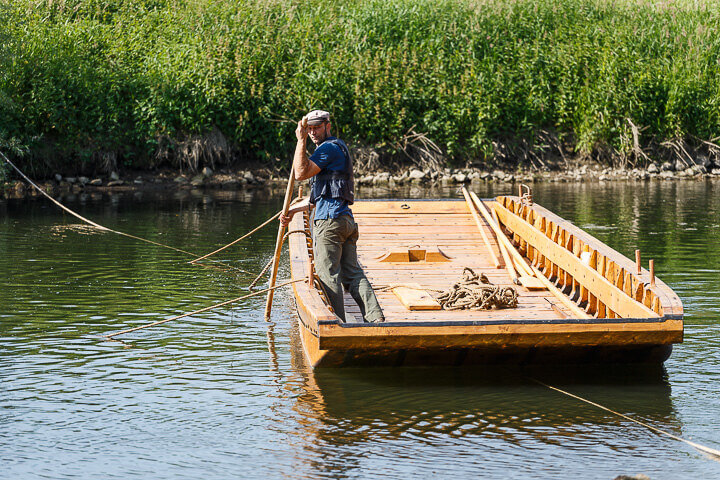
[476,292]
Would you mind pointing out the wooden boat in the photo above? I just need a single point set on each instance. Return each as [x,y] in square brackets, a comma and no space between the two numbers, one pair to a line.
[579,301]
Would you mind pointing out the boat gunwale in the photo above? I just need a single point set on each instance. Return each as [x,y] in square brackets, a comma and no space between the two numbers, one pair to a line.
[480,323]
[669,300]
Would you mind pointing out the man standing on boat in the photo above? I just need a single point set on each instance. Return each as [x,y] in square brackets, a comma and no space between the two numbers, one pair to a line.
[335,233]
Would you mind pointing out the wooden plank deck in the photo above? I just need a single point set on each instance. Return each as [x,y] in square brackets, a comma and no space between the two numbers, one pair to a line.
[449,226]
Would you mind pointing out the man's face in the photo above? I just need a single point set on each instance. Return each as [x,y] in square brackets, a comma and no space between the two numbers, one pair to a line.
[318,133]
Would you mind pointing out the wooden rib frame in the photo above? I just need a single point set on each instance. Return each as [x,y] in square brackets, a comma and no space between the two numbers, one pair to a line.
[608,269]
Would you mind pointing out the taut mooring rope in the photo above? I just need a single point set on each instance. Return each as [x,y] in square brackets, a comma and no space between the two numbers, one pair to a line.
[241,238]
[100,227]
[267,265]
[714,454]
[204,309]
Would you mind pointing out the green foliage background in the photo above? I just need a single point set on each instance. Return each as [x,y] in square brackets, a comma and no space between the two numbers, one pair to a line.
[78,77]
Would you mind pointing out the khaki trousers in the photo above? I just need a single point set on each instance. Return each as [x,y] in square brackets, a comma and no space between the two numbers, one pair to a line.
[336,264]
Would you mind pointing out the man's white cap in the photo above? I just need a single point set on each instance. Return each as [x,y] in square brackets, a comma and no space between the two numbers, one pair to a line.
[318,117]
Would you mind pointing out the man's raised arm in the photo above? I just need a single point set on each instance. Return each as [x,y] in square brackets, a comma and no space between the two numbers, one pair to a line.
[304,168]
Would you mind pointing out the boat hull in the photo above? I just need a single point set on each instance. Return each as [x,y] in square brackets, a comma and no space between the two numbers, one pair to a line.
[531,334]
[574,344]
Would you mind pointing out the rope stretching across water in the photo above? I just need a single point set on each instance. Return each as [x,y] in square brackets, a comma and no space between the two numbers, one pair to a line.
[101,227]
[241,238]
[712,453]
[222,304]
[267,265]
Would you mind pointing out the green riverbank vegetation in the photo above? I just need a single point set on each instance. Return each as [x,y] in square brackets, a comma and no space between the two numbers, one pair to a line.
[93,85]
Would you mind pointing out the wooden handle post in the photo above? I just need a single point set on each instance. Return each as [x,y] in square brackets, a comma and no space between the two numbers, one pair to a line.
[569,304]
[652,272]
[637,261]
[278,243]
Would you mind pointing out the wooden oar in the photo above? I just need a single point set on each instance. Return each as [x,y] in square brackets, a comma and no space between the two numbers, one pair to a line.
[278,242]
[520,261]
[478,222]
[509,266]
[521,267]
[525,273]
[569,304]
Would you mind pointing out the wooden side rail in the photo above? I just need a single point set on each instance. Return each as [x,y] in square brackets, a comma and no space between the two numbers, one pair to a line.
[583,265]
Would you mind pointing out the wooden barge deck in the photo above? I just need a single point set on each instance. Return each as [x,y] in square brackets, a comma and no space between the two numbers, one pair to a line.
[610,313]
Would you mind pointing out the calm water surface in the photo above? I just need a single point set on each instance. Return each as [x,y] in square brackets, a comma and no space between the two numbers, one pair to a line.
[226,395]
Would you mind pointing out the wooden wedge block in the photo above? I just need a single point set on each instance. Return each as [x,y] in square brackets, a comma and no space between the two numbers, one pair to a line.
[416,299]
[397,256]
[434,254]
[414,254]
[532,283]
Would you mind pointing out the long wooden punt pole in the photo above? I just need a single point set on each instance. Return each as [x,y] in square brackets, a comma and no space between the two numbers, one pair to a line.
[279,242]
[479,224]
[521,261]
[519,266]
[508,263]
[502,239]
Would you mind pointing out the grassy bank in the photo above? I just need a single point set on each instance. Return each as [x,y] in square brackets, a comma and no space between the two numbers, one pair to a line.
[96,84]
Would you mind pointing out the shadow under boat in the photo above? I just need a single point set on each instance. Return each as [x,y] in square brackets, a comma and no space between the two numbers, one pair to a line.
[344,410]
[516,357]
[462,396]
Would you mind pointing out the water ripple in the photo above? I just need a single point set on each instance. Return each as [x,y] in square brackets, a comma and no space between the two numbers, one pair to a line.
[224,394]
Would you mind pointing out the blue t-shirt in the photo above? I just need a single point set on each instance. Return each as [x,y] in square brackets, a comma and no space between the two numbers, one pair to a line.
[329,156]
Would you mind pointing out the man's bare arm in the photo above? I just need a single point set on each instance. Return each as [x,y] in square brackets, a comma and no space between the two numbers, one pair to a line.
[301,206]
[304,168]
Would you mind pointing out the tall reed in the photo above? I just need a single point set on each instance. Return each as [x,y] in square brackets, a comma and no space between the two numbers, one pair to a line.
[87,82]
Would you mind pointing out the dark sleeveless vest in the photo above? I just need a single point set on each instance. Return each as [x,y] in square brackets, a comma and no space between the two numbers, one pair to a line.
[335,183]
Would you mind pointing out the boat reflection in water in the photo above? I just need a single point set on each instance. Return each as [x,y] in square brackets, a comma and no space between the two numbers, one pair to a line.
[350,414]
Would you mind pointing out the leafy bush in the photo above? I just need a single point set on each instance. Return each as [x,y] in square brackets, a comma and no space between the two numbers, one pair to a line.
[136,80]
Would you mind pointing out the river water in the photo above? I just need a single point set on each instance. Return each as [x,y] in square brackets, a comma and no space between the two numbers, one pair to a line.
[224,394]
